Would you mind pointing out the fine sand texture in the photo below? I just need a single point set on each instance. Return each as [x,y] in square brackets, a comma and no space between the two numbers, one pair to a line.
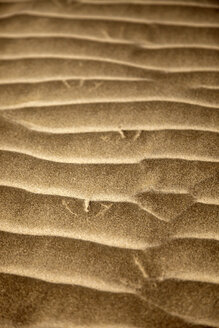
[109,163]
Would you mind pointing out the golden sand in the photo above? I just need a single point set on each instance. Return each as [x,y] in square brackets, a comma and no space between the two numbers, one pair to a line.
[109,158]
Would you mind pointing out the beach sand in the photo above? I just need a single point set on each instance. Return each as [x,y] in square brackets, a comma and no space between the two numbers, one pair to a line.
[109,164]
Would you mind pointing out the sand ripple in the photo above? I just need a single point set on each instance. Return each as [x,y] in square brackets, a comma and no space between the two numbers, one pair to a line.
[109,184]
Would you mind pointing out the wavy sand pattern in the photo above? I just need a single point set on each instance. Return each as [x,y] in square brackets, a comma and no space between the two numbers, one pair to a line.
[109,173]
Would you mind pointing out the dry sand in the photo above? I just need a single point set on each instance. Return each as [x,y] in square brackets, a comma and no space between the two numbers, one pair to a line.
[109,180]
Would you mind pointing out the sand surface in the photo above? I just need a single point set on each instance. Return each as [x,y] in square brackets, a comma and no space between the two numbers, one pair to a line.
[109,163]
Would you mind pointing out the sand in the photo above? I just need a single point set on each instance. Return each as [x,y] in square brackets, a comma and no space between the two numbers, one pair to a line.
[109,168]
